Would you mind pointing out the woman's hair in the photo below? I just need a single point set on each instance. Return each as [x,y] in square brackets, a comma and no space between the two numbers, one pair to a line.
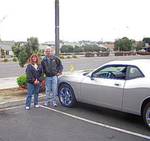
[38,59]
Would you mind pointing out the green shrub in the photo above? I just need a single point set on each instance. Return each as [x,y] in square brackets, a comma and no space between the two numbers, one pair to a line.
[74,56]
[5,60]
[68,57]
[89,54]
[14,59]
[22,81]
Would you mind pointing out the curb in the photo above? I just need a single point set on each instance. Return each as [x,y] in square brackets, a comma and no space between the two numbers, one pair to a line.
[17,102]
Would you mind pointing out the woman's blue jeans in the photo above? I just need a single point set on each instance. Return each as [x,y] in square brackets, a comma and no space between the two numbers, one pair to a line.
[51,89]
[32,90]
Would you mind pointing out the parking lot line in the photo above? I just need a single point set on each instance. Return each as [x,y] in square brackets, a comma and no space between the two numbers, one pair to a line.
[98,123]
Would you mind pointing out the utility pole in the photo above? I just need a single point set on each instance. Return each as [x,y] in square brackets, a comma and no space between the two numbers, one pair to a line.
[57,27]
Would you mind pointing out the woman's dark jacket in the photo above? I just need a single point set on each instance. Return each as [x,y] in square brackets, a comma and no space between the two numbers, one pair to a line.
[51,66]
[33,74]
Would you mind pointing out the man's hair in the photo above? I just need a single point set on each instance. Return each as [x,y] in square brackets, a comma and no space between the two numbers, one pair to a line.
[49,48]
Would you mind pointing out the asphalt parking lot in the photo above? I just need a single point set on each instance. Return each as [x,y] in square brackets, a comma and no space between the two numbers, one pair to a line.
[82,123]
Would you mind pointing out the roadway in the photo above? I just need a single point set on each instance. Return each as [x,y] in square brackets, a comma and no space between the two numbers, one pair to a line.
[11,69]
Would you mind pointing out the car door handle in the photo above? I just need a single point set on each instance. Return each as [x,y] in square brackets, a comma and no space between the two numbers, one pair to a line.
[117,84]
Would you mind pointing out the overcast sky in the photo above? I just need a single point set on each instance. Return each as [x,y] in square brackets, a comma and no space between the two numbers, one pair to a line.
[104,20]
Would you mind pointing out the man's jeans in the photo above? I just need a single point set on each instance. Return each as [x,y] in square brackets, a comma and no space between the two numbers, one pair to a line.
[32,90]
[51,89]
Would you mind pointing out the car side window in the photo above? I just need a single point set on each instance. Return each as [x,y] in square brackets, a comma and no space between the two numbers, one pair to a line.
[134,73]
[111,72]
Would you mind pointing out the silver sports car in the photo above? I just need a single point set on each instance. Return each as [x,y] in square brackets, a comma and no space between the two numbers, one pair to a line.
[119,85]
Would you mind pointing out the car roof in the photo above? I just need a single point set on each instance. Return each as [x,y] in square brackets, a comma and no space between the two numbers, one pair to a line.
[142,64]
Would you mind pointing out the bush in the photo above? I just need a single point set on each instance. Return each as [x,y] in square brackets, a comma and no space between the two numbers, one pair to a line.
[103,54]
[74,56]
[68,57]
[22,81]
[89,54]
[5,60]
[118,53]
[14,59]
[143,53]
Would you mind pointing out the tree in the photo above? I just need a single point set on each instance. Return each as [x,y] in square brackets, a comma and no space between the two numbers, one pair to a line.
[87,48]
[124,44]
[66,49]
[32,45]
[2,53]
[23,57]
[139,45]
[77,49]
[146,42]
[17,49]
[24,50]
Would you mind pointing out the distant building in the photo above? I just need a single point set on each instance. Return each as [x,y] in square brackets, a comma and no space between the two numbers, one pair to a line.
[109,45]
[6,47]
[49,43]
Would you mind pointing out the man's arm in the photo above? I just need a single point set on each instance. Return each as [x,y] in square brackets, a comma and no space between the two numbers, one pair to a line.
[59,66]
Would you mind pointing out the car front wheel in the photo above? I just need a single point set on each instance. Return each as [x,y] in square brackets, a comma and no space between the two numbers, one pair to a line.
[66,95]
[146,115]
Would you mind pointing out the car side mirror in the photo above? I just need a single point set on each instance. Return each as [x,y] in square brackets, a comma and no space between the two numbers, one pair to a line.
[91,76]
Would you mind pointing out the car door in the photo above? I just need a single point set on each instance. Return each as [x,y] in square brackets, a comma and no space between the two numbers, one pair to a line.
[135,90]
[105,86]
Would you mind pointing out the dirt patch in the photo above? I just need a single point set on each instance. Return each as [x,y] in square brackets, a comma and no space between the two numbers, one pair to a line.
[13,91]
[12,94]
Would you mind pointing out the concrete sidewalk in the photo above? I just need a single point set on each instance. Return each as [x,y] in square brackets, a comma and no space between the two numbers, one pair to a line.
[11,82]
[6,83]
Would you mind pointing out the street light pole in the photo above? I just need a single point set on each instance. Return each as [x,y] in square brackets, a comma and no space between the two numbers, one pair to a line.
[57,27]
[1,20]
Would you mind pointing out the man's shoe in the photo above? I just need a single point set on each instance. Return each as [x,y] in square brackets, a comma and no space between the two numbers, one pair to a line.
[37,106]
[46,104]
[54,104]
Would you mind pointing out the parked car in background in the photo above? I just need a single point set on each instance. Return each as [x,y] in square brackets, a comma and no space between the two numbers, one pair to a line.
[119,85]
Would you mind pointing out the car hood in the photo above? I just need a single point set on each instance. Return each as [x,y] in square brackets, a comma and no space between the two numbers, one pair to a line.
[80,72]
[74,76]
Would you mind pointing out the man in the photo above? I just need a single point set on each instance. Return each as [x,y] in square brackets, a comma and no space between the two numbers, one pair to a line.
[52,68]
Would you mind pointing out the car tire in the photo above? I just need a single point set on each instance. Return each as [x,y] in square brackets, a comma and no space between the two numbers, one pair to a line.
[66,95]
[146,115]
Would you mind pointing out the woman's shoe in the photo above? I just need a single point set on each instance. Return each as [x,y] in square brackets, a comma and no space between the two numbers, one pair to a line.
[27,108]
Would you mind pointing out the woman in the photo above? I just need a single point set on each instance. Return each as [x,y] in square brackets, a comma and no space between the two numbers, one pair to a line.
[34,75]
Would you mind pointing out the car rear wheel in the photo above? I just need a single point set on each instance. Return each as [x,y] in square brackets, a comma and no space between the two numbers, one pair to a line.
[66,95]
[146,115]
